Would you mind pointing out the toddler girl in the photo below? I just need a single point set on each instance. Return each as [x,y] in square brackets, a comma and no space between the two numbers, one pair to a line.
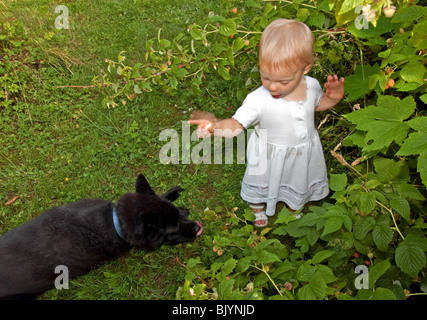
[282,112]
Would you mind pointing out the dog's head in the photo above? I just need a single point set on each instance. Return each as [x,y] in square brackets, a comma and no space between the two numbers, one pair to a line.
[148,220]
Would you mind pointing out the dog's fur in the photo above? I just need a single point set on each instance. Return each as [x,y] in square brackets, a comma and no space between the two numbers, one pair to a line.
[81,235]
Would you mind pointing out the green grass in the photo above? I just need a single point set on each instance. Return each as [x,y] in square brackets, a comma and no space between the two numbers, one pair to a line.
[61,145]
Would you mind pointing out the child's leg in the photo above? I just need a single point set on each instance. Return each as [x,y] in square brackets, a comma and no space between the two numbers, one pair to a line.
[261,219]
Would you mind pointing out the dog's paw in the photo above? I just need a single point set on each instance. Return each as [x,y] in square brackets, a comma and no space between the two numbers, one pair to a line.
[172,194]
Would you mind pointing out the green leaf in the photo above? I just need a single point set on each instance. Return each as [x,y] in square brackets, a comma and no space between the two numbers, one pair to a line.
[228,28]
[145,86]
[372,34]
[357,84]
[238,44]
[314,290]
[382,235]
[332,224]
[372,184]
[417,240]
[192,262]
[384,122]
[377,271]
[267,257]
[348,223]
[325,273]
[367,202]
[380,78]
[337,182]
[164,43]
[229,266]
[317,20]
[321,255]
[410,258]
[345,10]
[413,72]
[419,124]
[312,218]
[312,236]
[422,166]
[243,264]
[223,72]
[225,289]
[388,170]
[119,70]
[416,143]
[196,33]
[348,5]
[362,226]
[253,4]
[302,14]
[136,89]
[383,294]
[181,73]
[409,13]
[261,254]
[173,82]
[305,272]
[401,205]
[268,8]
[410,191]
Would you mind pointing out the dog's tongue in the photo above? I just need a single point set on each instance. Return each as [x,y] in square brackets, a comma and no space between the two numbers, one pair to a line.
[200,230]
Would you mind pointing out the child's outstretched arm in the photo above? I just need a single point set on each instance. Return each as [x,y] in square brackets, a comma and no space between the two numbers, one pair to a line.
[334,93]
[208,124]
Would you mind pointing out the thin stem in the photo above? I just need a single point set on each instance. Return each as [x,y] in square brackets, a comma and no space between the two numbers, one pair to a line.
[268,276]
[394,220]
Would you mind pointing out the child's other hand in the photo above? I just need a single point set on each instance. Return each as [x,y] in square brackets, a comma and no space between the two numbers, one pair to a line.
[205,122]
[334,88]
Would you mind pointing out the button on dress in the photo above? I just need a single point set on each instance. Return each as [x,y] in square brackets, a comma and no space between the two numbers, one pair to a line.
[285,160]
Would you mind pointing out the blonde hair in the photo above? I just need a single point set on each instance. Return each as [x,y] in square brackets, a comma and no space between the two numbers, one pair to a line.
[286,43]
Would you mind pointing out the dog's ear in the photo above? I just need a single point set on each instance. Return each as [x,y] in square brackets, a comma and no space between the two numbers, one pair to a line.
[172,194]
[148,232]
[142,186]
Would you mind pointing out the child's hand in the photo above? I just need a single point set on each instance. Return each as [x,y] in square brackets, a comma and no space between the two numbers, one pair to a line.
[205,122]
[334,88]
[205,128]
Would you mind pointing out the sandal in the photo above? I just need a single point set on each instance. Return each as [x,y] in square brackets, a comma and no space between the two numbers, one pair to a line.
[260,216]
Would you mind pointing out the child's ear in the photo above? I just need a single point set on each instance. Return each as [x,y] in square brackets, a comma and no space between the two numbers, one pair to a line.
[308,68]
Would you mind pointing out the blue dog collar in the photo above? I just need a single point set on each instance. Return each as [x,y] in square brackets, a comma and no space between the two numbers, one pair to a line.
[117,224]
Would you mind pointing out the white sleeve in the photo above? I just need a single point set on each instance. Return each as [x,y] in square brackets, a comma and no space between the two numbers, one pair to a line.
[249,113]
[318,91]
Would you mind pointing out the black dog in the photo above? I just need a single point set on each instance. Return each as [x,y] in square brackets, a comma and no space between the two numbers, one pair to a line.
[83,234]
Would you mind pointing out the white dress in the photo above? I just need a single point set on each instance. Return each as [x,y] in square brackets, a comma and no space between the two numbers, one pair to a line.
[285,160]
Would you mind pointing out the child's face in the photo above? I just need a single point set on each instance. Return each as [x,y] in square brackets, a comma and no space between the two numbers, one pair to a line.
[281,83]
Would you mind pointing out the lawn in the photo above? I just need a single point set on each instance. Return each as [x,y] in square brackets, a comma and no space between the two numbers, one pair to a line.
[61,145]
